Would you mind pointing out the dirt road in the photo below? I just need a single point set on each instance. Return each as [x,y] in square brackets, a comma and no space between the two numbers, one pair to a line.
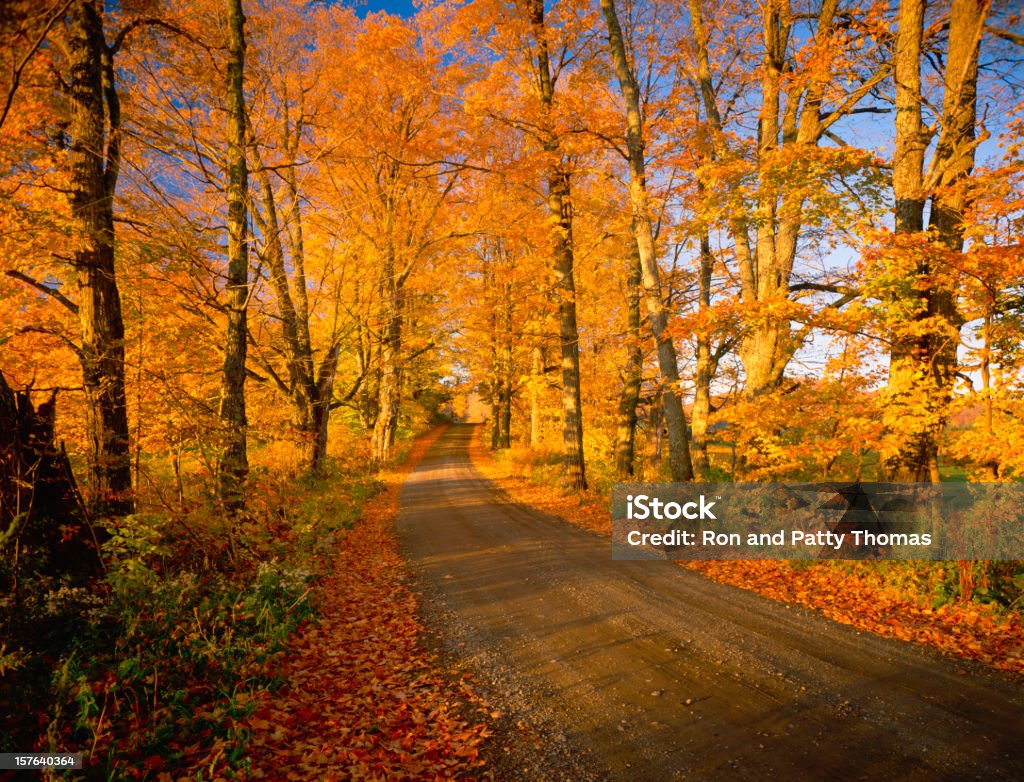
[645,671]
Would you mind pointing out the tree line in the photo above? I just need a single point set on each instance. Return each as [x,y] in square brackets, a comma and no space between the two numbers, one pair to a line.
[778,240]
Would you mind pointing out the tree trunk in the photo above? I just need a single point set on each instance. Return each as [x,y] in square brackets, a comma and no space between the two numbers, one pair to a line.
[496,374]
[42,526]
[537,381]
[560,211]
[767,348]
[234,463]
[322,409]
[705,368]
[495,420]
[389,389]
[923,360]
[678,438]
[954,162]
[505,439]
[560,218]
[910,459]
[508,370]
[765,270]
[655,425]
[629,397]
[383,439]
[311,410]
[369,390]
[94,159]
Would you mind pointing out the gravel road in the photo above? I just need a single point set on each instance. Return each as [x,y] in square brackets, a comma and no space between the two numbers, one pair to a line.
[646,671]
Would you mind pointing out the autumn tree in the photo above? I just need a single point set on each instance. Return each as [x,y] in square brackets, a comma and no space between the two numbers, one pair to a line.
[527,89]
[497,261]
[679,447]
[282,145]
[234,462]
[923,359]
[91,139]
[632,372]
[559,205]
[800,101]
[991,303]
[393,173]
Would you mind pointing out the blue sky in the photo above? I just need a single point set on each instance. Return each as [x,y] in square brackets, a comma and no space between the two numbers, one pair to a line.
[396,7]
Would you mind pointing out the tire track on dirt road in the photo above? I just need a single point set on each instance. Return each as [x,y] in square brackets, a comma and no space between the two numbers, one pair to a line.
[646,671]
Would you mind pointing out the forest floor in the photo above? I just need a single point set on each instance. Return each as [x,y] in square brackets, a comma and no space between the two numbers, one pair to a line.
[363,699]
[643,670]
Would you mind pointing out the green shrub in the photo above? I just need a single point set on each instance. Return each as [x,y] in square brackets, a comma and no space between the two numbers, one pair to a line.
[163,655]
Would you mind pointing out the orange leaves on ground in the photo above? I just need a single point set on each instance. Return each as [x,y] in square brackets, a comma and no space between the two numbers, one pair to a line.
[961,630]
[362,699]
[587,510]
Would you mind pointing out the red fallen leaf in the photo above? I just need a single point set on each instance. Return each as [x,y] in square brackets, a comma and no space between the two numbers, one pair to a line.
[153,763]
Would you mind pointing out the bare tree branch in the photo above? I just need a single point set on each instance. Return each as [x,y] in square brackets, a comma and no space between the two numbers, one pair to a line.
[1006,35]
[48,290]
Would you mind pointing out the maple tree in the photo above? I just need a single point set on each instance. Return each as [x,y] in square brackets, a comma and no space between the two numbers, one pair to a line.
[537,105]
[643,232]
[923,357]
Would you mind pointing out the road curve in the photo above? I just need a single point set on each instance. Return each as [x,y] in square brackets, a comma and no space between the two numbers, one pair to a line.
[646,671]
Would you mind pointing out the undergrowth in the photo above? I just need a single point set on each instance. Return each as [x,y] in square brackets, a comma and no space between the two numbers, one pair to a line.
[153,666]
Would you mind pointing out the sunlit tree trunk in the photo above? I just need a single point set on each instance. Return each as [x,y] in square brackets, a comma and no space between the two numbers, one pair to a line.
[560,215]
[658,316]
[234,462]
[705,368]
[94,159]
[768,346]
[559,204]
[306,384]
[495,384]
[507,370]
[389,389]
[495,421]
[909,461]
[629,396]
[923,361]
[954,162]
[536,384]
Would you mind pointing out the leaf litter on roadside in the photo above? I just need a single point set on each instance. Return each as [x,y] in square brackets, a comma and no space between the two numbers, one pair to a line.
[362,699]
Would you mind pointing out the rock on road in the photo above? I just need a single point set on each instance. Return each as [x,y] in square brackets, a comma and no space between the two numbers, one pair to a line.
[646,671]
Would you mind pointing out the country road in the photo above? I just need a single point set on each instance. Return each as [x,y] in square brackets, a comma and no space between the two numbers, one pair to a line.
[646,671]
